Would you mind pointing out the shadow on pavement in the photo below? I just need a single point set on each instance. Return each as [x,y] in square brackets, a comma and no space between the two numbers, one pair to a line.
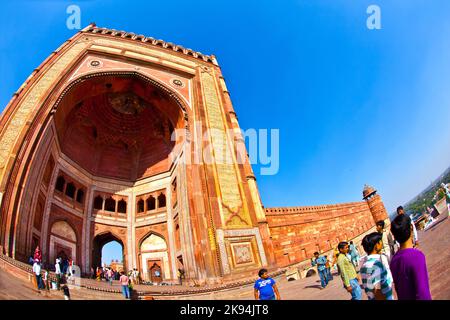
[316,286]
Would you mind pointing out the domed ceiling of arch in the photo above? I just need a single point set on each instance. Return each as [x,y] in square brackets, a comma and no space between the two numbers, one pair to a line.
[117,128]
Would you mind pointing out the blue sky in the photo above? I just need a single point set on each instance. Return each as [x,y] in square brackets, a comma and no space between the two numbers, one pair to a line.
[353,105]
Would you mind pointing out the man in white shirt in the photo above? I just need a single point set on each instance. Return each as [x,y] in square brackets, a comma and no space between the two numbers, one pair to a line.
[389,247]
[400,210]
[58,273]
[37,272]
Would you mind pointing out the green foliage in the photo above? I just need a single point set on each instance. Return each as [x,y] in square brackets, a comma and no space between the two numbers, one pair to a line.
[427,198]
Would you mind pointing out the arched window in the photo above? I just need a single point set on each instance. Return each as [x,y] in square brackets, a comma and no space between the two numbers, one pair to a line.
[70,190]
[140,206]
[151,203]
[80,196]
[98,202]
[161,200]
[60,182]
[122,206]
[110,204]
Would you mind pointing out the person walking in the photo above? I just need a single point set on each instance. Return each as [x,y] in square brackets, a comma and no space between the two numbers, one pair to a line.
[138,277]
[180,275]
[328,268]
[408,265]
[46,281]
[348,272]
[110,275]
[354,255]
[66,292]
[415,238]
[58,273]
[321,262]
[70,269]
[389,245]
[335,257]
[135,276]
[375,273]
[37,272]
[124,283]
[265,287]
[99,274]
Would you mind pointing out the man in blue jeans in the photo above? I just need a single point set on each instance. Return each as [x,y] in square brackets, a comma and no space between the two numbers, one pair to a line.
[37,272]
[321,262]
[348,272]
[124,283]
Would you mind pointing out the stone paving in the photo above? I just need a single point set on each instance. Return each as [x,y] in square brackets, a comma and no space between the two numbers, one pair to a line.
[434,242]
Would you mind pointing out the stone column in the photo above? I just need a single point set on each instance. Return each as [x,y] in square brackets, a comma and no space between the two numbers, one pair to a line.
[186,235]
[131,233]
[48,205]
[86,238]
[171,231]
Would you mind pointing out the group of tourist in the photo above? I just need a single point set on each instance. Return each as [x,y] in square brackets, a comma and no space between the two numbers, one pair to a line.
[62,272]
[393,260]
[109,274]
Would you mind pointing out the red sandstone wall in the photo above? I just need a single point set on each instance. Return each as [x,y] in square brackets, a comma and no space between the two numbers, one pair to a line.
[297,232]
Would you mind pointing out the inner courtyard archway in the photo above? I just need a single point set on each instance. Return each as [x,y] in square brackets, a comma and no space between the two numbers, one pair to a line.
[99,242]
[109,163]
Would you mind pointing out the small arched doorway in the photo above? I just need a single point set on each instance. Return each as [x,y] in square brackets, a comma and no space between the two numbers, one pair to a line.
[63,242]
[154,259]
[100,241]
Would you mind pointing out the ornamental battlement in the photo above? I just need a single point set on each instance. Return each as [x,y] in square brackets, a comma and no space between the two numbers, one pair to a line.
[309,209]
[92,28]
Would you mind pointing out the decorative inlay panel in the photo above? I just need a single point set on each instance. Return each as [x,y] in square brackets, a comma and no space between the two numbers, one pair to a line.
[234,215]
[29,105]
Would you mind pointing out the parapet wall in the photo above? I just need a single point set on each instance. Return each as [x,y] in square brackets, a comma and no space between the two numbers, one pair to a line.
[297,232]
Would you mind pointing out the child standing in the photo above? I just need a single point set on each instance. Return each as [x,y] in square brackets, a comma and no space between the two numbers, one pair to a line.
[265,287]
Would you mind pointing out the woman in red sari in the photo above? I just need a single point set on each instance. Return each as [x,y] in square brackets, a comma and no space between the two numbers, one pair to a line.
[37,254]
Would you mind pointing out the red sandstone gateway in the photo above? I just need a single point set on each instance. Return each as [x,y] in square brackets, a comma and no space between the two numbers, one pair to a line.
[88,155]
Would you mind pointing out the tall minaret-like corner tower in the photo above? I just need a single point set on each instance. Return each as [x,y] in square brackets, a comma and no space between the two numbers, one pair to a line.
[375,204]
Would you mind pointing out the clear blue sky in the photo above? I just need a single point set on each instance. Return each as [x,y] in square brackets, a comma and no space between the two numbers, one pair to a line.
[353,105]
[112,251]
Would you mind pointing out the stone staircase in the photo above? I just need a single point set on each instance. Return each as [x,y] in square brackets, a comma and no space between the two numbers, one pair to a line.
[145,292]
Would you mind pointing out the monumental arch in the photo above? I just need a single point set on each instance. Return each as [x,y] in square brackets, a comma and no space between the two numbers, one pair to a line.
[101,144]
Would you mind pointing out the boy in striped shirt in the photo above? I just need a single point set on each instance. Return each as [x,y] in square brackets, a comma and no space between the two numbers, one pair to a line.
[376,276]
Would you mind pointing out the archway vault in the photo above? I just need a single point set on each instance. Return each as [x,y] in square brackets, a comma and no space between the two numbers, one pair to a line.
[30,162]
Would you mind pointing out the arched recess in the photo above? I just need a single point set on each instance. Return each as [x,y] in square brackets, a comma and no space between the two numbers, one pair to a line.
[97,245]
[14,217]
[154,258]
[63,242]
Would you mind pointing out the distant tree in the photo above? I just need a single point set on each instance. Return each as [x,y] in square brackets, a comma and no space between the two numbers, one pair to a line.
[441,194]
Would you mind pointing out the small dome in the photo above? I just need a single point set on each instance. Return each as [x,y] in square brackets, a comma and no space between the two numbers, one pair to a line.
[368,191]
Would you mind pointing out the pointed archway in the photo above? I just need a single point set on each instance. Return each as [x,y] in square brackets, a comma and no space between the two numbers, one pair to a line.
[99,242]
